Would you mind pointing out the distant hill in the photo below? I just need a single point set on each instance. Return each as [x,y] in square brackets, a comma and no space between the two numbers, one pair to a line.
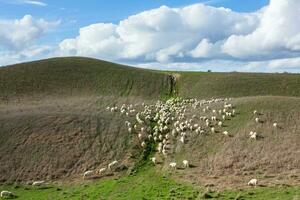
[80,76]
[76,76]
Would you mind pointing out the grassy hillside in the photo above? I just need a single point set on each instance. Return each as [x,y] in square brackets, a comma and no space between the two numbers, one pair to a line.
[206,84]
[79,76]
[54,126]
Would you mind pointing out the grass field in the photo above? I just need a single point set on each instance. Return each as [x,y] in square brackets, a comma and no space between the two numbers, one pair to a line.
[147,184]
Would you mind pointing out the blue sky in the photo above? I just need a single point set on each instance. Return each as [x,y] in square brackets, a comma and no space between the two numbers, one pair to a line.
[75,14]
[159,34]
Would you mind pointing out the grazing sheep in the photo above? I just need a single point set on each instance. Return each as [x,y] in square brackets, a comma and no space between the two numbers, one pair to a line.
[255,112]
[102,170]
[225,133]
[253,135]
[38,183]
[253,182]
[220,123]
[275,125]
[153,160]
[143,144]
[86,174]
[173,165]
[224,117]
[129,130]
[185,163]
[140,135]
[257,120]
[110,165]
[7,194]
[213,130]
[182,139]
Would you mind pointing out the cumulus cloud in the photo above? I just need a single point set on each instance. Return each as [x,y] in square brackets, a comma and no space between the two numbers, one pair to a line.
[21,33]
[18,39]
[196,34]
[277,36]
[161,34]
[187,37]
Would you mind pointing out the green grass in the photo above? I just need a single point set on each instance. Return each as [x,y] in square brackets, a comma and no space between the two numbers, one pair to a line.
[147,184]
[75,76]
[206,85]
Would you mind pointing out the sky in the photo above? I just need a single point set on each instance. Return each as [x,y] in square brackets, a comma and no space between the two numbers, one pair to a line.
[195,35]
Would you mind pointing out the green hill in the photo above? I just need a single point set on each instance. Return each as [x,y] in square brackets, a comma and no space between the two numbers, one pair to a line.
[54,126]
[209,84]
[75,76]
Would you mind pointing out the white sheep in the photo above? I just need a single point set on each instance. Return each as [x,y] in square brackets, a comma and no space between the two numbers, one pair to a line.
[173,165]
[102,170]
[257,120]
[182,139]
[6,194]
[255,112]
[275,125]
[110,165]
[220,123]
[140,136]
[185,163]
[213,130]
[143,144]
[38,183]
[153,160]
[253,182]
[225,133]
[86,174]
[253,135]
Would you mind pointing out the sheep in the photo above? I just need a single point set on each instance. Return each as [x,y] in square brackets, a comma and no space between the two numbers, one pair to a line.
[182,139]
[220,124]
[253,182]
[253,135]
[173,165]
[102,170]
[257,120]
[7,194]
[255,112]
[225,133]
[130,130]
[275,125]
[213,130]
[185,163]
[224,117]
[153,160]
[143,144]
[140,136]
[86,174]
[110,165]
[38,183]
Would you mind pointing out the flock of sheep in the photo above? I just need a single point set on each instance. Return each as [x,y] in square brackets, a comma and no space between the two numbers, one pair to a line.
[173,120]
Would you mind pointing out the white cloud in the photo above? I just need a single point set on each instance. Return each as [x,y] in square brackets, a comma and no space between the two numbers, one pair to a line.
[178,38]
[21,33]
[196,34]
[161,34]
[19,39]
[277,36]
[37,3]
